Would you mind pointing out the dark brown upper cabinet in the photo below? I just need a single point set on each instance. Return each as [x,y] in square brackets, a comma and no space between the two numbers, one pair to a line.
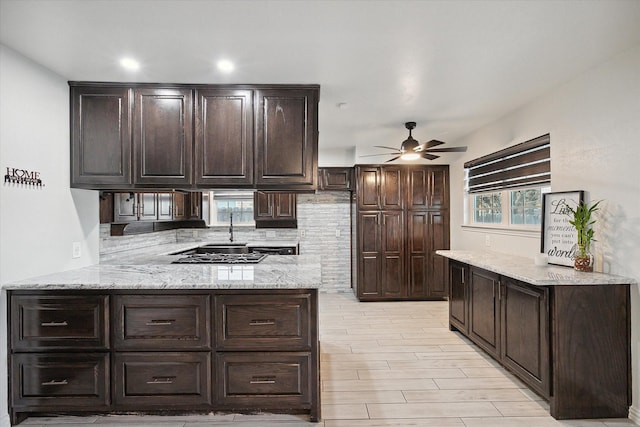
[143,136]
[286,137]
[275,210]
[100,137]
[224,137]
[335,179]
[162,136]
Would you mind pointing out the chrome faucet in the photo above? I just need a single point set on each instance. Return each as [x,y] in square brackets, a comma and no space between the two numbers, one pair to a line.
[230,227]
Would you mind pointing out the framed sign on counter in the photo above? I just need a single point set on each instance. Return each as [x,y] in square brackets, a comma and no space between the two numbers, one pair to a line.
[559,237]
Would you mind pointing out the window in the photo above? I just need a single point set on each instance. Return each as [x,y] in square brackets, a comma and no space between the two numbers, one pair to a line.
[224,203]
[520,208]
[505,188]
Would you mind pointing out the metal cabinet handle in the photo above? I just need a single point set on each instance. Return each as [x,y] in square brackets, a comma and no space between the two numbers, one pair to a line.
[162,380]
[54,382]
[51,324]
[262,322]
[160,322]
[263,380]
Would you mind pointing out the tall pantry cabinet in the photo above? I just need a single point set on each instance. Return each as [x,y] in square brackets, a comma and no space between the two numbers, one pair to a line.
[402,218]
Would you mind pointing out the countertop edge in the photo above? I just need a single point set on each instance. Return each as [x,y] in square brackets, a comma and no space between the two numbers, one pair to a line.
[524,269]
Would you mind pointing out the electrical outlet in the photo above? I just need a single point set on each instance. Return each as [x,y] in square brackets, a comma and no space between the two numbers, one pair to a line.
[487,240]
[76,250]
[302,233]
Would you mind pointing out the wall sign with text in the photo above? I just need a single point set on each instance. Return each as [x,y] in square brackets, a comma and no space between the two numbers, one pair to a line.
[23,177]
[559,237]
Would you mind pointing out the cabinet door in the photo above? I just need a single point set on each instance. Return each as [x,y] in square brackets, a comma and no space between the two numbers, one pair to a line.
[418,187]
[67,381]
[458,296]
[194,205]
[59,322]
[438,239]
[147,206]
[274,210]
[438,187]
[167,380]
[392,194]
[162,136]
[165,206]
[369,255]
[180,206]
[392,245]
[368,181]
[285,205]
[224,137]
[418,254]
[484,310]
[125,206]
[525,333]
[286,137]
[263,205]
[335,179]
[100,137]
[154,322]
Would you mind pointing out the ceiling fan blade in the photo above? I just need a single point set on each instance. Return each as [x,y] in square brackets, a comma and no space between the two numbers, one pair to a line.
[429,144]
[389,148]
[448,150]
[428,156]
[392,159]
[373,155]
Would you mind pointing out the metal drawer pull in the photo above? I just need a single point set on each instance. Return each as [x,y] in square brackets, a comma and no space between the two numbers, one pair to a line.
[262,322]
[63,323]
[162,380]
[160,322]
[54,382]
[263,380]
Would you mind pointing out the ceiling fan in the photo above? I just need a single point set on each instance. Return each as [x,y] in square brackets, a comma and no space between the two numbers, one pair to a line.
[410,149]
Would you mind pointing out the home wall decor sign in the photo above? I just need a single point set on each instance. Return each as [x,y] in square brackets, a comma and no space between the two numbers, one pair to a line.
[23,177]
[559,238]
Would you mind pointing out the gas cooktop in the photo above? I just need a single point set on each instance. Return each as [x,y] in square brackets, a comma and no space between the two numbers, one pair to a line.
[249,258]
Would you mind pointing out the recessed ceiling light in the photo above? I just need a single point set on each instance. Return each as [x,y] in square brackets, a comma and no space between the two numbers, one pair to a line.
[225,66]
[130,64]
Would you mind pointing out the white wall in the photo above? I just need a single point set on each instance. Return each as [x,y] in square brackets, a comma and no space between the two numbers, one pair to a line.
[38,225]
[594,122]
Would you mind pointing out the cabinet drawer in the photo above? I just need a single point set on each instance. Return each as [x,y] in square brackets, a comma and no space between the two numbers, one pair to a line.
[263,322]
[247,380]
[59,322]
[67,380]
[162,322]
[167,380]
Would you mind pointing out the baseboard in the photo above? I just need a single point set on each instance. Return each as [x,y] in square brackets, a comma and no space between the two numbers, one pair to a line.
[634,414]
[5,421]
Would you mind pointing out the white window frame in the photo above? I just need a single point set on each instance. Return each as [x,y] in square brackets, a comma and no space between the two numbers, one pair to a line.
[231,196]
[506,223]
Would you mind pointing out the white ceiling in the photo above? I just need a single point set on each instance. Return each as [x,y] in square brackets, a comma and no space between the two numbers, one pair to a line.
[451,66]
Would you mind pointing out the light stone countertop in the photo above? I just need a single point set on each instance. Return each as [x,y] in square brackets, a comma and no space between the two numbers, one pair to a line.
[524,269]
[151,268]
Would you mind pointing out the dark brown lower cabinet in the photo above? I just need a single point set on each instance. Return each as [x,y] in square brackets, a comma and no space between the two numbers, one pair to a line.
[162,380]
[122,351]
[568,343]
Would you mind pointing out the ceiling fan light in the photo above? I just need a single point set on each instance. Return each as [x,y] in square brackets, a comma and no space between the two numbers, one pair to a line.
[410,155]
[409,145]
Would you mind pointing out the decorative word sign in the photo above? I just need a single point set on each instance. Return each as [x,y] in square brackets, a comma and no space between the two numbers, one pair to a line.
[23,177]
[559,237]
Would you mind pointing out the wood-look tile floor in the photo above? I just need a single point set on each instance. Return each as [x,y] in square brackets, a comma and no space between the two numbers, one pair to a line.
[388,364]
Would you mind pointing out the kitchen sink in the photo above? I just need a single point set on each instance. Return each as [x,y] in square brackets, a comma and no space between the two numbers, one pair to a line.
[216,248]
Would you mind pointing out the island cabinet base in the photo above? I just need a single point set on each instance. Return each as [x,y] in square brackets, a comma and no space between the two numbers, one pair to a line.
[170,351]
[570,344]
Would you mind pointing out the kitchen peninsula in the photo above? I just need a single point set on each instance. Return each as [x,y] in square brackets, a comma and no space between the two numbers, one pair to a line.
[141,334]
[564,333]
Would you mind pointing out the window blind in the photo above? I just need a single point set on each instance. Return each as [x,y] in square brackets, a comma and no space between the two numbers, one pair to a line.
[527,163]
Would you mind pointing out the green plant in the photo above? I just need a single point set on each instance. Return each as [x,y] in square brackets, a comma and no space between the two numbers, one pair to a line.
[581,220]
